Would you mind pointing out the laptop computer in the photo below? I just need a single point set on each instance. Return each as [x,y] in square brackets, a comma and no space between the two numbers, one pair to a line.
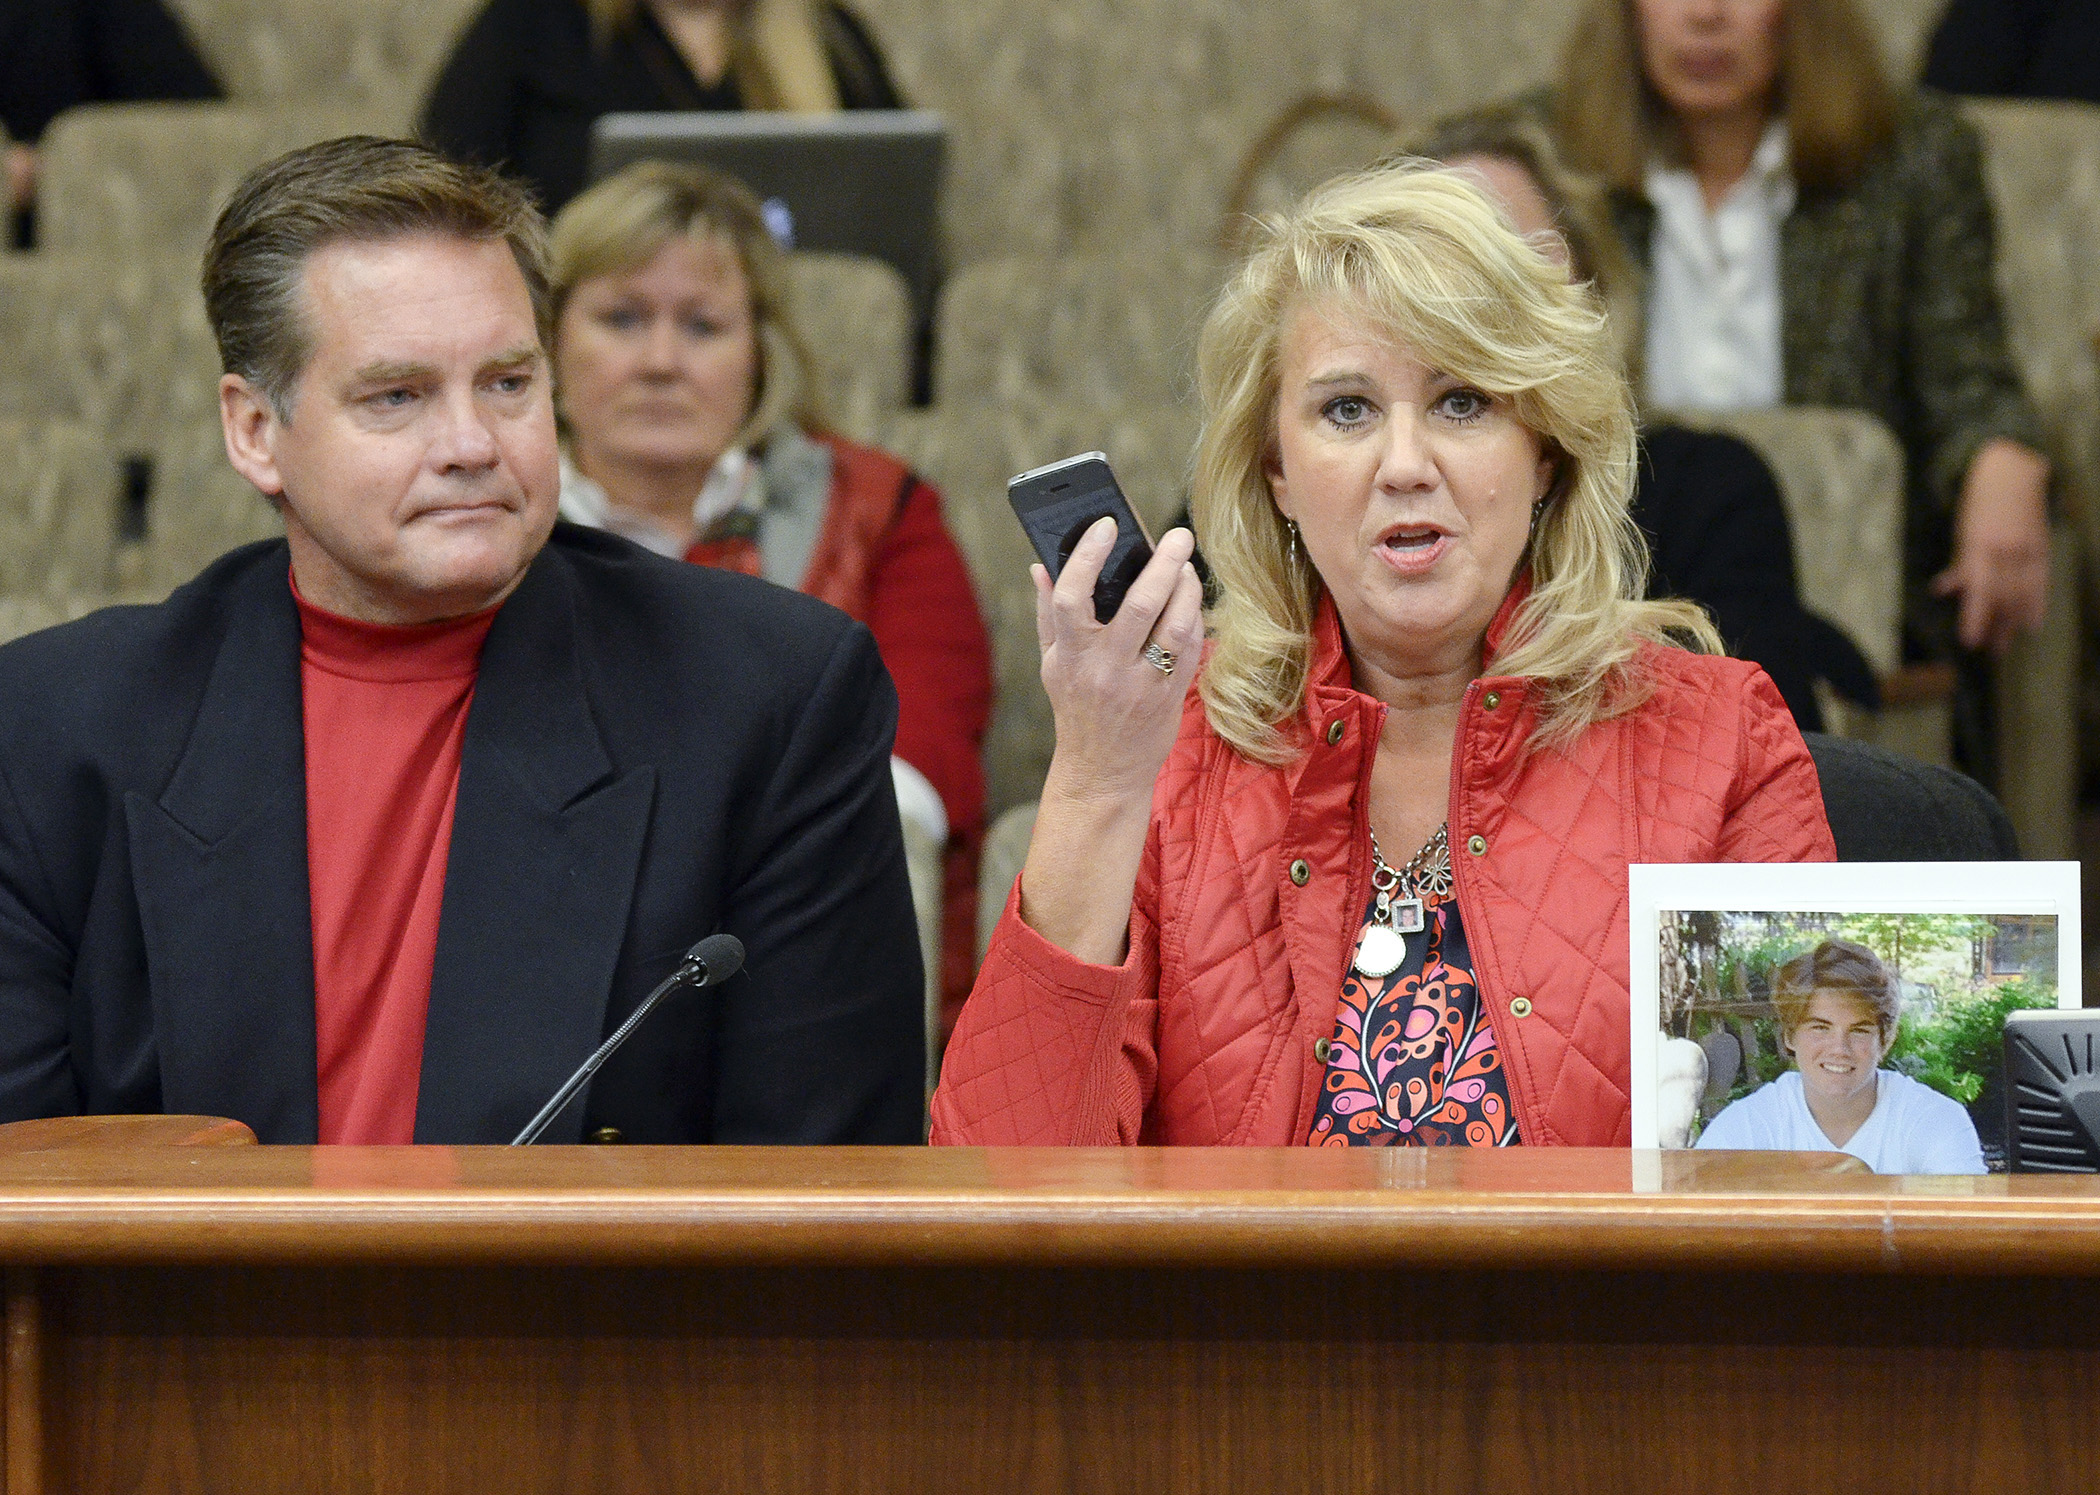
[862,181]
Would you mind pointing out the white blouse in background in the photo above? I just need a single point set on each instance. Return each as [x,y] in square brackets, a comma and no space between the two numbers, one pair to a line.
[1713,339]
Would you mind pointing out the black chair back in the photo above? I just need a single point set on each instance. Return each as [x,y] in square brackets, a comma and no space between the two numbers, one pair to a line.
[1884,807]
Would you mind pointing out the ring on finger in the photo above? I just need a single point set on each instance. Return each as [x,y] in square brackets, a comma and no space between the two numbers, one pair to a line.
[1160,659]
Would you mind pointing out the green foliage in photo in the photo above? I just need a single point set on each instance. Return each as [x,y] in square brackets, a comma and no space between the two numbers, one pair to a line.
[1962,1045]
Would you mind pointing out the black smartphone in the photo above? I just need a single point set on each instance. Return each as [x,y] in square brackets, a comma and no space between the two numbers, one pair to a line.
[1059,503]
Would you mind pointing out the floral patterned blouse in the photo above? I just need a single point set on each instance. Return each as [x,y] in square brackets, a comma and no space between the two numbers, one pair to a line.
[1413,1061]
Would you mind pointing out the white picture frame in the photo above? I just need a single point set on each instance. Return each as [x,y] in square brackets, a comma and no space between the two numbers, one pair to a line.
[1988,889]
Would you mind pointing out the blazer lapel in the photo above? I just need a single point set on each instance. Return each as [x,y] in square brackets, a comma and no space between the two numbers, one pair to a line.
[546,844]
[220,868]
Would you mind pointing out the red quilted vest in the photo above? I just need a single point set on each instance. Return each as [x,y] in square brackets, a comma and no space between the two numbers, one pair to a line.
[1205,1033]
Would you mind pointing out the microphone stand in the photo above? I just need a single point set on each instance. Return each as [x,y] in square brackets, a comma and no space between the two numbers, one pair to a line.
[714,959]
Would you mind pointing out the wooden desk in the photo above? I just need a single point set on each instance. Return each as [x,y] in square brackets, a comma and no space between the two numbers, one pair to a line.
[313,1320]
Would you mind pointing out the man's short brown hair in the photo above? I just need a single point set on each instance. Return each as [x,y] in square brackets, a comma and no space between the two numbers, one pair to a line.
[359,189]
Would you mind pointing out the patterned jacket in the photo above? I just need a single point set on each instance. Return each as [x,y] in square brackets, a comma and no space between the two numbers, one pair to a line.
[1254,884]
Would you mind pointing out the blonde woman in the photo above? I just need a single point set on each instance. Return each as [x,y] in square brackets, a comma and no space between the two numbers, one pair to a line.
[1368,885]
[529,77]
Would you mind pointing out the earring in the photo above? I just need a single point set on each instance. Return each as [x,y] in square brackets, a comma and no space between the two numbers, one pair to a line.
[1292,526]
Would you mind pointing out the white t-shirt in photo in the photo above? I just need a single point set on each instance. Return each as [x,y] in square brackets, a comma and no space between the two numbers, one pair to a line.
[1913,1128]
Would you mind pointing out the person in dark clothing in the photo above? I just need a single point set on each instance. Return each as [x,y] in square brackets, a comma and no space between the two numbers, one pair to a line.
[370,834]
[1717,534]
[58,53]
[527,80]
[2018,49]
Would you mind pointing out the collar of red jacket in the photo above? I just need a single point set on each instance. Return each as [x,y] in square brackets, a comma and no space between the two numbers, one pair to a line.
[1330,661]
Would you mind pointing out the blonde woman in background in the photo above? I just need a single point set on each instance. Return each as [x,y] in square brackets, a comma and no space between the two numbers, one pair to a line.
[1368,886]
[529,77]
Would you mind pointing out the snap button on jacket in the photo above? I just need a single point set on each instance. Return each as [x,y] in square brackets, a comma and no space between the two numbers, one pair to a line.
[1207,1032]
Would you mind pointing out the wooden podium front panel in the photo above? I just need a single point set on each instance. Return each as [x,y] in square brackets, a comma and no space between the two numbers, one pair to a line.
[1001,1379]
[1050,1321]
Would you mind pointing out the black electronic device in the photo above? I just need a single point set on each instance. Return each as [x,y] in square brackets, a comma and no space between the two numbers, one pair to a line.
[2052,1091]
[1057,504]
[709,963]
[860,181]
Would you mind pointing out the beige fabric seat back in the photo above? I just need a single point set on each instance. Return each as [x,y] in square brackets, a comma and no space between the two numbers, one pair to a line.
[384,52]
[31,614]
[1840,475]
[2042,163]
[59,495]
[148,179]
[968,452]
[856,315]
[116,341]
[1099,328]
[200,509]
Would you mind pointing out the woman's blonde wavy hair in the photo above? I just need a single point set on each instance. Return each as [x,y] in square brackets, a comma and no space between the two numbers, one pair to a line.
[1422,253]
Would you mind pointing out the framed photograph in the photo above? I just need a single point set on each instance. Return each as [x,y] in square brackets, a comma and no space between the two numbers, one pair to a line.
[1842,1006]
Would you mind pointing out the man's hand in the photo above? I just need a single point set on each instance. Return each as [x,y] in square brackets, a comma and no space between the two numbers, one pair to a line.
[21,174]
[2001,546]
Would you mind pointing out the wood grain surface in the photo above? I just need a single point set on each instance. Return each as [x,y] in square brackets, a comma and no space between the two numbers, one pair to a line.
[258,1320]
[107,1132]
[1559,1208]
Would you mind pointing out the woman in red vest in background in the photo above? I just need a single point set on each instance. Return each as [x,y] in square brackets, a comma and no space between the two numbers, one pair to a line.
[691,426]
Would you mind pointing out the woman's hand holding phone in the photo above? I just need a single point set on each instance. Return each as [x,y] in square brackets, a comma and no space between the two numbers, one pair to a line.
[1117,713]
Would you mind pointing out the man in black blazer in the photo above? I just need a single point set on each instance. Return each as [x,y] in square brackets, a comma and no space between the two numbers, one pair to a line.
[646,753]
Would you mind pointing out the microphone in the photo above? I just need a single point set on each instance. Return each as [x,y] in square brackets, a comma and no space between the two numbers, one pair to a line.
[709,963]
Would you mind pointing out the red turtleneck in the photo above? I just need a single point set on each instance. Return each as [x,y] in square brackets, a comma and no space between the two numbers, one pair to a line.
[385,712]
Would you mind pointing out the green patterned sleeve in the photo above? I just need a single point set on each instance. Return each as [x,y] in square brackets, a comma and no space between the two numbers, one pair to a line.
[1960,369]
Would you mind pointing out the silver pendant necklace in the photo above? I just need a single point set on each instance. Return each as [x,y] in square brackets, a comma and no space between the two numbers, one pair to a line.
[1397,911]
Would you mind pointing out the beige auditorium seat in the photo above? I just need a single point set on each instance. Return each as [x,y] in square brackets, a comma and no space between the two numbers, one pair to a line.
[20,615]
[148,179]
[116,341]
[201,508]
[1840,474]
[922,866]
[2042,164]
[1005,853]
[1319,137]
[383,52]
[1099,328]
[968,452]
[59,495]
[856,314]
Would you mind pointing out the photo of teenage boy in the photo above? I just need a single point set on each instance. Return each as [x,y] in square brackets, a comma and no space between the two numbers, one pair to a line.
[1837,1017]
